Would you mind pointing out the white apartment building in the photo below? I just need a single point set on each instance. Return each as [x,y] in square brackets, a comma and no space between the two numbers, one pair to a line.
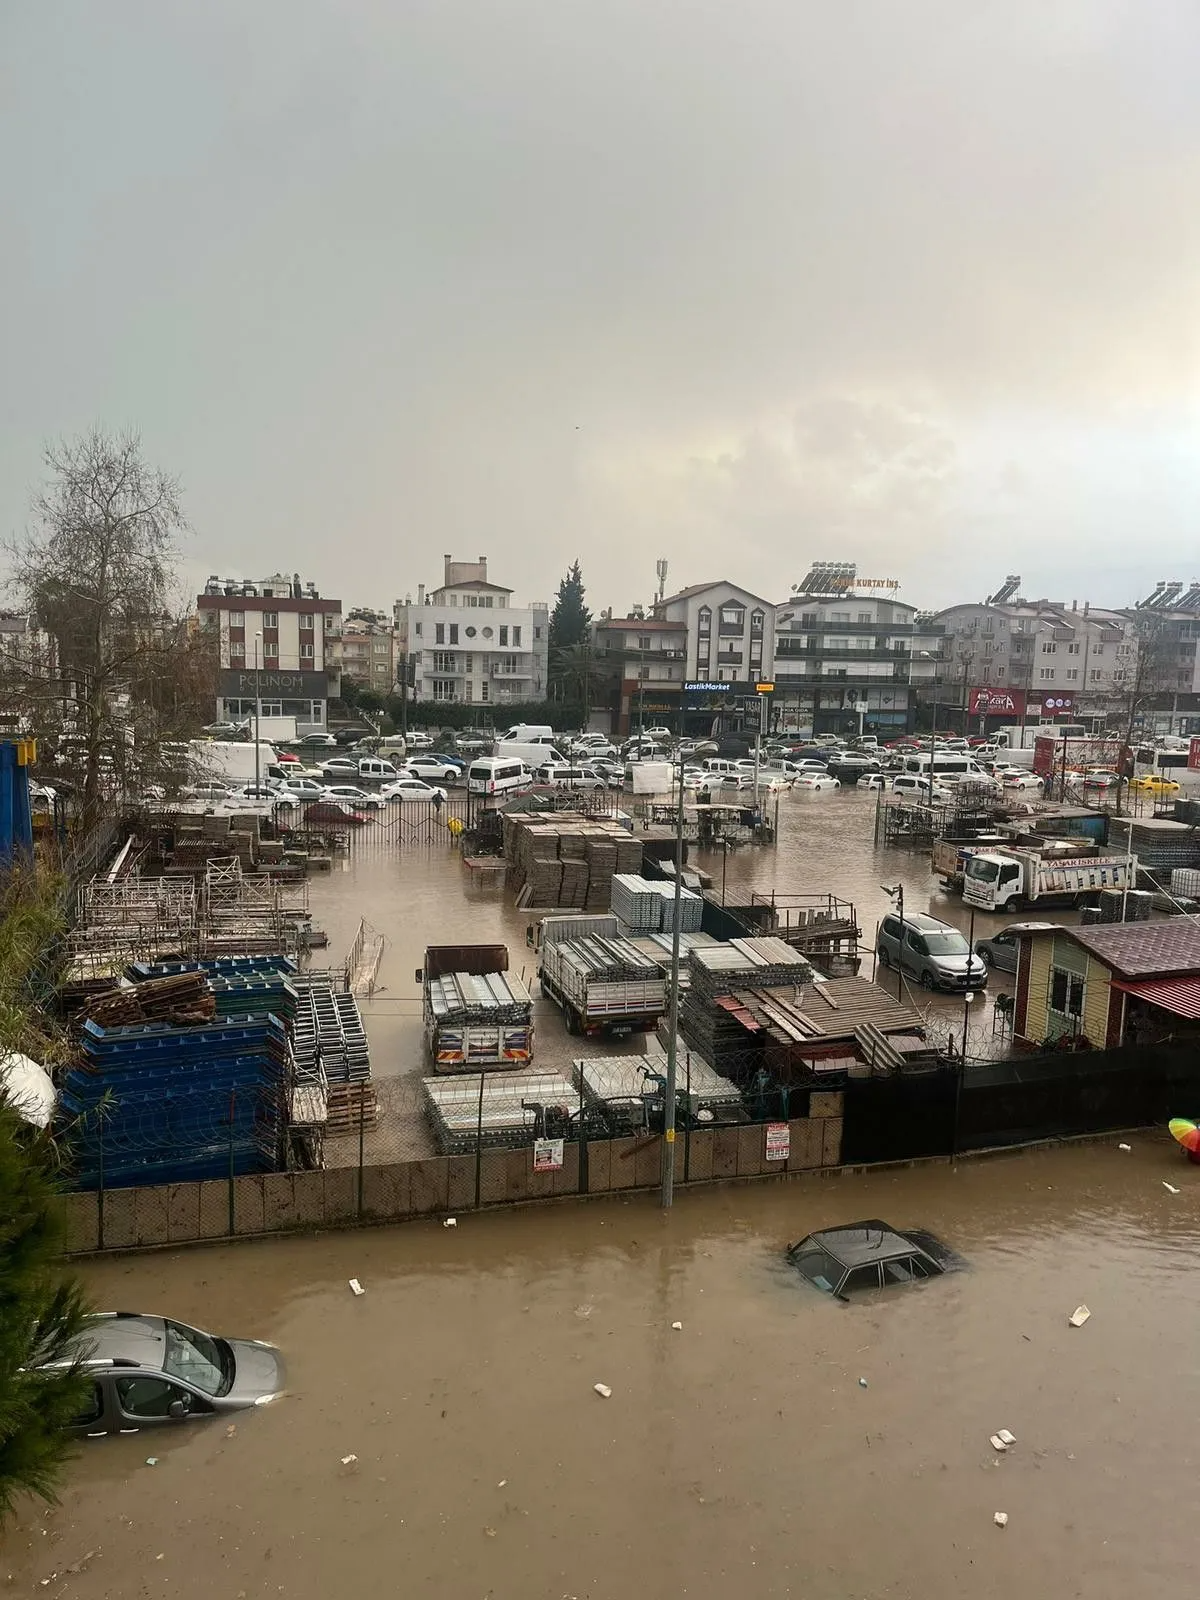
[730,632]
[466,643]
[277,637]
[835,653]
[1040,647]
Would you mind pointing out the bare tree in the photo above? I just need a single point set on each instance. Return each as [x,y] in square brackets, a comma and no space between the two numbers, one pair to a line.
[97,570]
[1152,672]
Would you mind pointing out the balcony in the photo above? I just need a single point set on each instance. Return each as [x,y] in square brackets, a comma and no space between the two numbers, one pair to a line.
[504,672]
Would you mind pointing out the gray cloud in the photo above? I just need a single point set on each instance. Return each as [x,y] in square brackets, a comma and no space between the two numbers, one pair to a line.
[739,285]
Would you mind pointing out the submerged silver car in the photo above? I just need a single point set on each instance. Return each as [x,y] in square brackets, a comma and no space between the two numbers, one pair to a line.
[150,1370]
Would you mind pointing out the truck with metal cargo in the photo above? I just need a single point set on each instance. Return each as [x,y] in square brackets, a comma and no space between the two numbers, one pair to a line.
[1008,880]
[571,925]
[603,985]
[476,1013]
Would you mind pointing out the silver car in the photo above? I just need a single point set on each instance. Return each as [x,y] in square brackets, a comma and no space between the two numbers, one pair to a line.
[150,1370]
[933,952]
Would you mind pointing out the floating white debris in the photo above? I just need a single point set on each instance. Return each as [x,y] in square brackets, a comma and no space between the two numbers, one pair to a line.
[356,1286]
[862,1383]
[998,1443]
[151,1461]
[678,1327]
[1001,1519]
[1079,1316]
[603,1391]
[1124,1147]
[1170,1186]
[450,1222]
[348,1461]
[1004,1435]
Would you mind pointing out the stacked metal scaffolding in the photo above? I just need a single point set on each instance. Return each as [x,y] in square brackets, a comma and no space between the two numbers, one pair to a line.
[329,1043]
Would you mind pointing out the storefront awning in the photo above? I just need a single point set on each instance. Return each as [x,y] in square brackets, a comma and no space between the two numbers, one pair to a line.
[1178,995]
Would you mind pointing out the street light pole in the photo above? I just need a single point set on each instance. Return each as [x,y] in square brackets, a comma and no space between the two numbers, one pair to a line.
[668,1167]
[257,710]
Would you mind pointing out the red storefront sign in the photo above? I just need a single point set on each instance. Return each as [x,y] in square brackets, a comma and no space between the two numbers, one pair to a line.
[1194,754]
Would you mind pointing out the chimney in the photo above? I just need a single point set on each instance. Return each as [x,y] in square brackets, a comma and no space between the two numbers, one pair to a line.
[483,568]
[448,560]
[297,591]
[420,594]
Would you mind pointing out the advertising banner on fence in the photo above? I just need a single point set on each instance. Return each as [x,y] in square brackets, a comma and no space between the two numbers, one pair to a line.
[779,1141]
[1020,703]
[547,1155]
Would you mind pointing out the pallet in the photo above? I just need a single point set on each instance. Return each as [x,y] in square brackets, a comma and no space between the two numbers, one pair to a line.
[351,1105]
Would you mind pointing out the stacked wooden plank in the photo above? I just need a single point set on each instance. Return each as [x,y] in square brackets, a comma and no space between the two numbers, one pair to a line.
[566,859]
[179,999]
[765,963]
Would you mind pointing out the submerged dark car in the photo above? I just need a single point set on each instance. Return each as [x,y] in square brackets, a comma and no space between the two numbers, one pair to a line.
[870,1255]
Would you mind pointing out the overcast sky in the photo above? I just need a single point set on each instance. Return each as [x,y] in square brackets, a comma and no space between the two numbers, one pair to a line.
[741,283]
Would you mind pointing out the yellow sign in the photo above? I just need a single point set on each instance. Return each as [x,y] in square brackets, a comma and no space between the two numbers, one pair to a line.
[765,688]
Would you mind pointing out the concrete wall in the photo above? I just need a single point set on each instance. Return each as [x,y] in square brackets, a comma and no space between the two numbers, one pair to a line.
[278,1202]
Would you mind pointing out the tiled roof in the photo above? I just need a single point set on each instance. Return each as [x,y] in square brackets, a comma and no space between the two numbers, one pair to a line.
[1143,949]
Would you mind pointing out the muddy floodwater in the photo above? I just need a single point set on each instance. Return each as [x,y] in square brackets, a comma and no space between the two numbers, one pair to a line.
[739,1455]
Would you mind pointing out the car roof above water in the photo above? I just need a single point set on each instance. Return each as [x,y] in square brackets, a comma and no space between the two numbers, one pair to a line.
[860,1243]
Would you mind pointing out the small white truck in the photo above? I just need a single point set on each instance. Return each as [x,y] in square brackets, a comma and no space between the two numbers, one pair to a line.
[1008,880]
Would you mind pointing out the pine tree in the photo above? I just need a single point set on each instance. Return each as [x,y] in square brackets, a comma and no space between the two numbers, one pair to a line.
[570,619]
[42,1314]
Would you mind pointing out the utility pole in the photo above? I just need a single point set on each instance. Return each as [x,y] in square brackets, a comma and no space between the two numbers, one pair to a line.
[257,710]
[668,1165]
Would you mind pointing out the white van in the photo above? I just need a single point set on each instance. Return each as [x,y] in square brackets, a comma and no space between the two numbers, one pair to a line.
[393,745]
[530,732]
[726,769]
[497,775]
[947,767]
[533,752]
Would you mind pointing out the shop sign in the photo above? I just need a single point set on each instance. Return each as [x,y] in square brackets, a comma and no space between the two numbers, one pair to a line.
[702,687]
[547,1155]
[779,1141]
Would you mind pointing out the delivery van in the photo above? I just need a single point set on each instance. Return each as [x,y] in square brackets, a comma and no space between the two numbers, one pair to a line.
[493,775]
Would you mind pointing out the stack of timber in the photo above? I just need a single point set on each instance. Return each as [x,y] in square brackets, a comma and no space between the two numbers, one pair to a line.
[179,999]
[566,859]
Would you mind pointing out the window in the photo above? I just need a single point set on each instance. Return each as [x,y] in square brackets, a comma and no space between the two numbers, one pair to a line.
[270,619]
[1072,649]
[861,1278]
[1045,672]
[863,616]
[756,621]
[517,634]
[154,1397]
[439,633]
[306,652]
[306,621]
[1072,674]
[484,688]
[733,617]
[1066,992]
[443,690]
[504,635]
[454,633]
[470,632]
[1095,675]
[537,634]
[453,599]
[1049,649]
[643,641]
[839,616]
[443,661]
[1099,650]
[704,620]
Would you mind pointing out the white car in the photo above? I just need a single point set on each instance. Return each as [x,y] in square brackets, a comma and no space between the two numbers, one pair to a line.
[872,780]
[306,788]
[432,768]
[211,792]
[261,794]
[1022,782]
[811,782]
[353,796]
[419,741]
[339,768]
[410,789]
